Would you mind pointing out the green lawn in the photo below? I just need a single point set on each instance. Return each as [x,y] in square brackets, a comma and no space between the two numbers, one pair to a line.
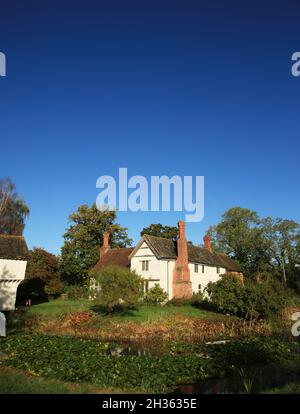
[143,314]
[58,307]
[15,381]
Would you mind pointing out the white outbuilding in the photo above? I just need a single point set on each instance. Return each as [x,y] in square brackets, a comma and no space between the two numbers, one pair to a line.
[13,251]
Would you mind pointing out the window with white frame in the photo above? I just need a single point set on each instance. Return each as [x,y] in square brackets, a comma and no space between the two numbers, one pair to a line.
[203,268]
[145,265]
[195,268]
[218,269]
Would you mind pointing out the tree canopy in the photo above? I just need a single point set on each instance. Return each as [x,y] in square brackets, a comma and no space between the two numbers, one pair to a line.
[13,209]
[83,238]
[259,244]
[158,230]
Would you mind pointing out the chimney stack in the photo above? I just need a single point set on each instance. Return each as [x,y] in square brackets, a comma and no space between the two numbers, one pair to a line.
[105,246]
[181,226]
[207,243]
[182,286]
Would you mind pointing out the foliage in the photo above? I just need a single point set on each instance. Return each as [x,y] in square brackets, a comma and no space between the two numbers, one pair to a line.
[71,359]
[156,295]
[251,300]
[119,287]
[195,300]
[259,244]
[42,270]
[76,292]
[242,352]
[42,264]
[54,287]
[226,294]
[83,238]
[158,230]
[68,359]
[13,209]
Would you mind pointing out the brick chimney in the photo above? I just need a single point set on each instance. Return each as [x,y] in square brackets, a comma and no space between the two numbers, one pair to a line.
[207,243]
[105,246]
[182,286]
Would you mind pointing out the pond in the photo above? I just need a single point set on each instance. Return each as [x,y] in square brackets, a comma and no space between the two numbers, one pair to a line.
[246,380]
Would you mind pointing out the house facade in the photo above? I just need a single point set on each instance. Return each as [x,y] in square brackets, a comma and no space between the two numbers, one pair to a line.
[178,266]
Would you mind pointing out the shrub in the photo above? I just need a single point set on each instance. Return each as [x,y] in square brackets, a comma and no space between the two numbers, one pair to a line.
[251,301]
[226,294]
[156,295]
[119,287]
[196,300]
[76,292]
[54,287]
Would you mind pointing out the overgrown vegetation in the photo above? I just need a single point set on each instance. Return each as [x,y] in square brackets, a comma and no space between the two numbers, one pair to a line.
[69,359]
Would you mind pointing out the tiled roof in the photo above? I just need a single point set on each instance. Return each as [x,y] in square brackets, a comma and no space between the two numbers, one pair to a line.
[117,257]
[167,249]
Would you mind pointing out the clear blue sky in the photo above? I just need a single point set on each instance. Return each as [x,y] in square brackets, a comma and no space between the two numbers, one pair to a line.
[160,87]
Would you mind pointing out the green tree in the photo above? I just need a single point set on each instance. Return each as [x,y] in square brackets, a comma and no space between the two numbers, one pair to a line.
[285,236]
[42,269]
[13,209]
[241,234]
[83,238]
[158,230]
[119,287]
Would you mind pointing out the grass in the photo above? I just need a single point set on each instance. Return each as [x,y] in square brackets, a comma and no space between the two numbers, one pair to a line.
[58,307]
[15,381]
[143,314]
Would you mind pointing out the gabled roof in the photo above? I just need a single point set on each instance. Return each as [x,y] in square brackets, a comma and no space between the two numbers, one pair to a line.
[115,257]
[13,247]
[167,249]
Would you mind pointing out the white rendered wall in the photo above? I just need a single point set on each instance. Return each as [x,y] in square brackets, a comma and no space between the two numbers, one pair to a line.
[210,275]
[160,271]
[12,272]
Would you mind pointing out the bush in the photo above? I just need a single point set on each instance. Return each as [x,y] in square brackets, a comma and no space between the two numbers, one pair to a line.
[196,300]
[226,294]
[54,287]
[119,287]
[251,300]
[156,295]
[76,292]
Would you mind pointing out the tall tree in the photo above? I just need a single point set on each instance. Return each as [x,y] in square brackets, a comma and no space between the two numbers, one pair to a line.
[13,209]
[285,239]
[83,239]
[168,232]
[240,234]
[258,244]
